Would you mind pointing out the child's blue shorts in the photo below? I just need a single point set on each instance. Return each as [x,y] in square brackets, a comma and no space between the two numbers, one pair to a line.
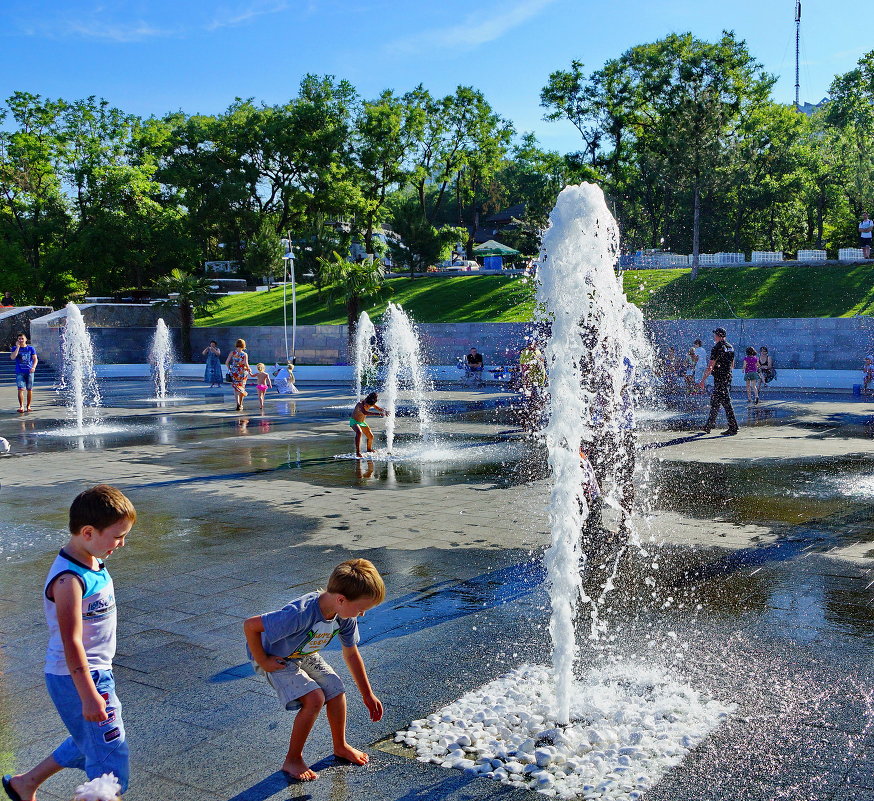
[96,748]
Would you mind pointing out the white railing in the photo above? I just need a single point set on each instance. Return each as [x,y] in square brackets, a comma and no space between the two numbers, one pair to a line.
[850,254]
[766,256]
[719,258]
[811,255]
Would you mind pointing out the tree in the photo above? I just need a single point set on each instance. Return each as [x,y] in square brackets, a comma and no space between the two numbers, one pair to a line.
[193,296]
[263,254]
[385,134]
[352,283]
[421,244]
[34,213]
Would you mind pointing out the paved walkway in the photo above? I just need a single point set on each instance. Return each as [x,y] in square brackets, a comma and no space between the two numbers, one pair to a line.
[765,571]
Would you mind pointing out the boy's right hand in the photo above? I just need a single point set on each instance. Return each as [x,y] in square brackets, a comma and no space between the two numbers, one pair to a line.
[94,709]
[272,664]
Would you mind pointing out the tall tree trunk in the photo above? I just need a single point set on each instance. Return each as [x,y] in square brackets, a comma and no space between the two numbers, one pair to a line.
[696,228]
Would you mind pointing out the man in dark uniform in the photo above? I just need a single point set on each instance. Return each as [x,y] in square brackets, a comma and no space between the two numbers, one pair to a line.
[720,366]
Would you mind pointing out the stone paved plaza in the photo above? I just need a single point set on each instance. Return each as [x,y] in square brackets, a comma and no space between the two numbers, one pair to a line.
[763,592]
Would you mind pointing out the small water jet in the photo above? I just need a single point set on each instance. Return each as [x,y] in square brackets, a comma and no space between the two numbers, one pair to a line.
[366,353]
[78,382]
[161,359]
[404,370]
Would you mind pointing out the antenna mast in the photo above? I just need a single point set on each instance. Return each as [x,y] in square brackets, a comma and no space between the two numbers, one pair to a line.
[797,51]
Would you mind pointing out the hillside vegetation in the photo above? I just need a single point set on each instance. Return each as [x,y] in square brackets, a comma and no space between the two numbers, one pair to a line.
[724,292]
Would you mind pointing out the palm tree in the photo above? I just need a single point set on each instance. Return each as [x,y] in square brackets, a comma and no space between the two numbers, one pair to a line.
[192,295]
[352,282]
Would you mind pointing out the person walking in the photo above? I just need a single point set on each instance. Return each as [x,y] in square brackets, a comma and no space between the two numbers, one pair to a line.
[865,230]
[720,366]
[701,362]
[26,360]
[767,373]
[213,372]
[751,375]
[239,371]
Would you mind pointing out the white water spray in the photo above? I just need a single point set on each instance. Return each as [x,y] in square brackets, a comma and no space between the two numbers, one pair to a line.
[366,354]
[596,339]
[78,377]
[161,358]
[404,369]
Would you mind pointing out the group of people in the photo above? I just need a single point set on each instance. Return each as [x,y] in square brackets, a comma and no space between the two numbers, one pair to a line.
[284,646]
[758,369]
[240,371]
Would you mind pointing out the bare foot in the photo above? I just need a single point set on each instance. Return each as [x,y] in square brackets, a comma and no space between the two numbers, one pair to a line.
[298,769]
[352,755]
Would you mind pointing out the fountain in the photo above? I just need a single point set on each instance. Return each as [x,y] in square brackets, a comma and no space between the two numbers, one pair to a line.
[78,378]
[404,368]
[161,358]
[366,353]
[596,340]
[559,729]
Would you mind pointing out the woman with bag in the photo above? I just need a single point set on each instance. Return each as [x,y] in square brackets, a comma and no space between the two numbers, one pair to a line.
[767,371]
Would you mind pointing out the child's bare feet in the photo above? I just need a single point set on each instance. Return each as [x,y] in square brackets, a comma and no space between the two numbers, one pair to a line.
[352,755]
[298,769]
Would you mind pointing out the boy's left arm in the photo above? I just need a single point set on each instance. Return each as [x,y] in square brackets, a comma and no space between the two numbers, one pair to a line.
[352,657]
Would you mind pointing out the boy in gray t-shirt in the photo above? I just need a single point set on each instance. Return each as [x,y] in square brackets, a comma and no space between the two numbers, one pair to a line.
[285,645]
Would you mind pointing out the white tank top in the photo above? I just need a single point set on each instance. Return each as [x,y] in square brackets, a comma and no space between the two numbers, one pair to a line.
[98,616]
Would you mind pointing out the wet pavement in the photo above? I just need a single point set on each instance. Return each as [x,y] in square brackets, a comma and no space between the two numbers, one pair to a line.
[754,581]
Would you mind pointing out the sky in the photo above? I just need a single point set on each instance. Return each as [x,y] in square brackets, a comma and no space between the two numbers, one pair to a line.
[156,56]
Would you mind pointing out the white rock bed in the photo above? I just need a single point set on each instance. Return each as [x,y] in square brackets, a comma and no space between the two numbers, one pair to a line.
[629,726]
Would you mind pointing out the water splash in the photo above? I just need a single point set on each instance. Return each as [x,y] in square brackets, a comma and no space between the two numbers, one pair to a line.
[404,370]
[161,359]
[595,342]
[78,382]
[366,353]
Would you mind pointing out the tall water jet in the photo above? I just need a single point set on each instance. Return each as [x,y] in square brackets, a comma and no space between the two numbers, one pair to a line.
[78,377]
[595,341]
[366,353]
[161,358]
[404,369]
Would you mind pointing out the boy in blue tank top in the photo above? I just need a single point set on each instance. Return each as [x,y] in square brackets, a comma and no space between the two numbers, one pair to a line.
[79,603]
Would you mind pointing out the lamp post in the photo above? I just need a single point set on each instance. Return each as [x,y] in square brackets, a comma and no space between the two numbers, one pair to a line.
[288,258]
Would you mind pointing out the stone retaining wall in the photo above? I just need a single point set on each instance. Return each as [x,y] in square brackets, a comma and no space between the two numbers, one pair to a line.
[804,343]
[17,319]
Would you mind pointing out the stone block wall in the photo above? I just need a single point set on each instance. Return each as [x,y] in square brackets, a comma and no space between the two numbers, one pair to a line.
[813,343]
[122,333]
[17,319]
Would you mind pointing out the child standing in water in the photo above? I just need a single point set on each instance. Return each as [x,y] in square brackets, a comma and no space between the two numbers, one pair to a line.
[358,421]
[285,645]
[262,383]
[751,375]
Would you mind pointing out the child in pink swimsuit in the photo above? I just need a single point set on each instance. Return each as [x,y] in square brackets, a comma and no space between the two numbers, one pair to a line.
[262,383]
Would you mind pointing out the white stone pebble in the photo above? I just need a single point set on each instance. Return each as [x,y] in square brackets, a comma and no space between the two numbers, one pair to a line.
[630,725]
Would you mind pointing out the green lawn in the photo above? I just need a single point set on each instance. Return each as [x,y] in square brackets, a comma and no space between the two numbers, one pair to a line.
[451,299]
[722,292]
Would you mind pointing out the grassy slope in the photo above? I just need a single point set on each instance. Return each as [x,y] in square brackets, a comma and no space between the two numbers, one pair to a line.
[830,291]
[502,299]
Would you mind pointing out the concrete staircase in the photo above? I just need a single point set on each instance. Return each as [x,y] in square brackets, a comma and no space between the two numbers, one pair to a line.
[7,368]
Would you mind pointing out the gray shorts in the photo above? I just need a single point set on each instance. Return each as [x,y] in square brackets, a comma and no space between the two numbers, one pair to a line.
[302,676]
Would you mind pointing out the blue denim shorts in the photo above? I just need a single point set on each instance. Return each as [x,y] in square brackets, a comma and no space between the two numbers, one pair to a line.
[24,380]
[96,748]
